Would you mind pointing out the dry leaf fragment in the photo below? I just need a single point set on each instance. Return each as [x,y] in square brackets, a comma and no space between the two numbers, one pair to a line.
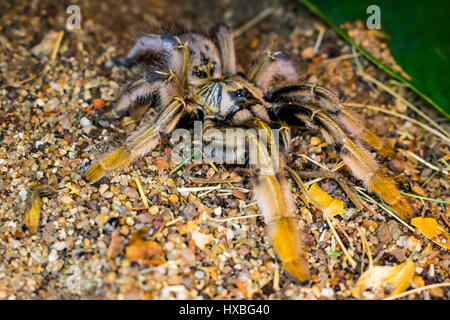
[114,245]
[161,164]
[138,249]
[431,229]
[201,240]
[33,212]
[33,207]
[330,205]
[381,282]
[239,194]
[66,199]
[73,189]
[45,47]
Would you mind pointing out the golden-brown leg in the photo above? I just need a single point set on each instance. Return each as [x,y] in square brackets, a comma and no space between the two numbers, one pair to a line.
[359,160]
[139,143]
[276,202]
[309,93]
[226,46]
[271,191]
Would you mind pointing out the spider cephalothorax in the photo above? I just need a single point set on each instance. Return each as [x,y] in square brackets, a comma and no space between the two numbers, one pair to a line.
[197,79]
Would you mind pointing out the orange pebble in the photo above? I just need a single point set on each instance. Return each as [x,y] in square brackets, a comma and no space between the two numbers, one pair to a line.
[98,104]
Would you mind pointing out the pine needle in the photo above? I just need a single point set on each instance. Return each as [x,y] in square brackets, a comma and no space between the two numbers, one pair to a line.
[417,290]
[385,207]
[367,247]
[57,45]
[174,221]
[424,198]
[429,165]
[236,218]
[253,22]
[141,192]
[276,278]
[349,257]
[197,189]
[406,102]
[184,162]
[401,116]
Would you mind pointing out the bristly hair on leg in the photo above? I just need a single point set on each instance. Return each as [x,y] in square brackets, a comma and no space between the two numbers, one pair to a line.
[278,208]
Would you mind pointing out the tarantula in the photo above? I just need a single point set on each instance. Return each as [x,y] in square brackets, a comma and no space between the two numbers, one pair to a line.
[198,79]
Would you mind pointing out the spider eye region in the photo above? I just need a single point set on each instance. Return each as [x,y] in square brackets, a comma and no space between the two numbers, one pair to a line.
[224,97]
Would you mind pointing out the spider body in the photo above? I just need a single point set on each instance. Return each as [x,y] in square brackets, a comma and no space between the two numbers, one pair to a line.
[198,79]
[223,99]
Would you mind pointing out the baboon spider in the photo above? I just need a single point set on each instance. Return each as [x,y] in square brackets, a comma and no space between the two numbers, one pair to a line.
[198,79]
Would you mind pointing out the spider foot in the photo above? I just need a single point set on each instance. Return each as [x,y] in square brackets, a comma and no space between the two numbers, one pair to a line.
[112,160]
[286,246]
[385,187]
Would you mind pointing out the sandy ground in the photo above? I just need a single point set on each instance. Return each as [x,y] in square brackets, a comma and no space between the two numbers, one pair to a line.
[82,248]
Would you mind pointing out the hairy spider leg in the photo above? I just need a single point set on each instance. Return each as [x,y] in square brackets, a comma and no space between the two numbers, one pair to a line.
[273,67]
[276,202]
[272,194]
[226,45]
[331,105]
[155,87]
[138,144]
[359,160]
[148,43]
[148,135]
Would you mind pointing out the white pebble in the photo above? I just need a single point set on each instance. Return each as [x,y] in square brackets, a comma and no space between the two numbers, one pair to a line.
[327,292]
[218,211]
[23,194]
[85,122]
[230,234]
[60,245]
[53,256]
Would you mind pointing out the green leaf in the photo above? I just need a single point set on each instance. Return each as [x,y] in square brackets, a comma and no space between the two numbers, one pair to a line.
[334,254]
[418,40]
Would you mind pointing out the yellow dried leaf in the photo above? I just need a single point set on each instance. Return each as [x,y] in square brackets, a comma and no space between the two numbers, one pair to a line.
[382,282]
[330,205]
[173,198]
[33,212]
[315,141]
[73,189]
[33,208]
[418,282]
[161,164]
[431,229]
